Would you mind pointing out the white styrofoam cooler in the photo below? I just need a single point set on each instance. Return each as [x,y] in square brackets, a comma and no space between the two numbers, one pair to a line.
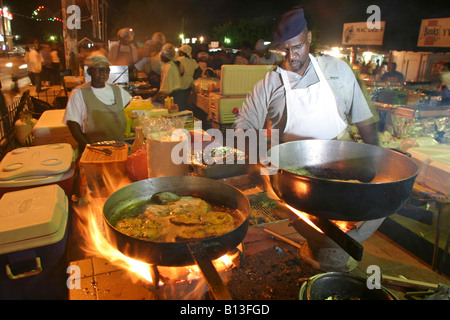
[50,129]
[434,166]
[33,240]
[38,165]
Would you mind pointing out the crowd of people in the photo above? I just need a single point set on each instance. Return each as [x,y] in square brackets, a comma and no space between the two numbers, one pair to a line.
[377,71]
[45,63]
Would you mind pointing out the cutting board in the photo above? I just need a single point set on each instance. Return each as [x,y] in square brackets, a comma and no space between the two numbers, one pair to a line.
[36,161]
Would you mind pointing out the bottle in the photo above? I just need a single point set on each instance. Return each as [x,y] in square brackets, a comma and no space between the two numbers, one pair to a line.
[139,140]
[167,103]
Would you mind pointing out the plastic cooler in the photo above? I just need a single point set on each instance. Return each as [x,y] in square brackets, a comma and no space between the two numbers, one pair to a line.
[50,129]
[33,241]
[35,166]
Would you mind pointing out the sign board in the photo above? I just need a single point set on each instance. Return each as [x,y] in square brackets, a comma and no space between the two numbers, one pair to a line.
[434,33]
[358,33]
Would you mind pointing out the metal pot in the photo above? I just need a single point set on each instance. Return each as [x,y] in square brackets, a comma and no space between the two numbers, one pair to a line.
[175,253]
[341,286]
[343,160]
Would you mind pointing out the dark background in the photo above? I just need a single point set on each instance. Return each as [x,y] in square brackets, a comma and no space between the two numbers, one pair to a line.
[199,17]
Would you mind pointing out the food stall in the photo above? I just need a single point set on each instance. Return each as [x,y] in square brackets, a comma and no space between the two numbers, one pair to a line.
[268,250]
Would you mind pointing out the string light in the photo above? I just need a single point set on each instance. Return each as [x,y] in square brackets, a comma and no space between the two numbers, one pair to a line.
[38,10]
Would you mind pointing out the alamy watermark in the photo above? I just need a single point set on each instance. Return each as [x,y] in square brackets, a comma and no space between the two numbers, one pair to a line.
[253,142]
[73,17]
[374,20]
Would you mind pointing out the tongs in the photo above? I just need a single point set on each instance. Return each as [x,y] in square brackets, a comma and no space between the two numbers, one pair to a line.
[105,151]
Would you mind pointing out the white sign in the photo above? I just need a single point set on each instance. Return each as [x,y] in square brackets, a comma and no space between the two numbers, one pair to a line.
[434,33]
[360,33]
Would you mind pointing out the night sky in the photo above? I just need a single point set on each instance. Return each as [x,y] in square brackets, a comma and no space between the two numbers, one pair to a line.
[402,17]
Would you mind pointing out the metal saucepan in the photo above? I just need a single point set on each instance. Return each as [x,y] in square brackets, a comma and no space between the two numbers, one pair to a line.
[387,178]
[341,286]
[175,253]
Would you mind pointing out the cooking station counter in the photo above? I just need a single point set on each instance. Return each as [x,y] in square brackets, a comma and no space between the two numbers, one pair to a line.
[269,267]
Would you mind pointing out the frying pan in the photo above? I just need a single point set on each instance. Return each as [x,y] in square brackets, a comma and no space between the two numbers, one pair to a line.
[386,178]
[175,253]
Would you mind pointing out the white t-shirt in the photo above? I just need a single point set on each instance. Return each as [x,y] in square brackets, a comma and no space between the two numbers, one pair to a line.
[170,78]
[76,107]
[187,68]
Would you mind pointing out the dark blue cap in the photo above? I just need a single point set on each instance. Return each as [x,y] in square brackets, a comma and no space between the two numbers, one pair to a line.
[291,24]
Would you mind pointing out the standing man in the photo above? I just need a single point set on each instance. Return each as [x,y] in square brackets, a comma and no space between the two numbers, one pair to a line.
[94,111]
[34,63]
[188,67]
[307,97]
[170,76]
[392,74]
[123,53]
[263,55]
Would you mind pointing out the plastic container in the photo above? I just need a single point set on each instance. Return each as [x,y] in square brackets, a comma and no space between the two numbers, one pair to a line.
[36,166]
[33,241]
[50,129]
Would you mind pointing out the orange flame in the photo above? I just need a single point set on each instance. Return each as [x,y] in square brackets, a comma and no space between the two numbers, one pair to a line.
[90,225]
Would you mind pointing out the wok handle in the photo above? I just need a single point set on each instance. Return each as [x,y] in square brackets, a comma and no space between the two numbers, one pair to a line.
[342,239]
[350,245]
[210,273]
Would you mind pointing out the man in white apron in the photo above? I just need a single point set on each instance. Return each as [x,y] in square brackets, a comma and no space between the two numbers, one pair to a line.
[307,97]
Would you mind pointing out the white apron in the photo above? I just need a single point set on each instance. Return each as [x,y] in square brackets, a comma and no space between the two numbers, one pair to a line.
[312,112]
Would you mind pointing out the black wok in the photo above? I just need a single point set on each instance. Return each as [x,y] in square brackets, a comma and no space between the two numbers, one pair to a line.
[387,178]
[175,253]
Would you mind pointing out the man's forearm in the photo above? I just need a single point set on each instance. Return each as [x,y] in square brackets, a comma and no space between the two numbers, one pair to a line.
[77,134]
[368,133]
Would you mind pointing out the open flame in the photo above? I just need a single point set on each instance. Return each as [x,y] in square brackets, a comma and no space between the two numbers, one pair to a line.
[345,226]
[90,225]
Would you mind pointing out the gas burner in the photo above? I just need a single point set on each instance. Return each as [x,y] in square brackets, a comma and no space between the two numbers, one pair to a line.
[188,282]
[325,254]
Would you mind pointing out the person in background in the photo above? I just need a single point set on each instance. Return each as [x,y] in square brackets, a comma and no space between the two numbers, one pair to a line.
[34,62]
[188,68]
[123,53]
[382,71]
[445,84]
[46,74]
[151,64]
[94,111]
[170,76]
[244,56]
[56,66]
[392,74]
[307,97]
[263,55]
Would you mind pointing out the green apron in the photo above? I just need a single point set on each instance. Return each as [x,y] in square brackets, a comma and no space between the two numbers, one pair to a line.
[104,122]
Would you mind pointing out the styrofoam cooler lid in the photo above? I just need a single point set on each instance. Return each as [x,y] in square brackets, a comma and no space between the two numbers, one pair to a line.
[43,160]
[32,218]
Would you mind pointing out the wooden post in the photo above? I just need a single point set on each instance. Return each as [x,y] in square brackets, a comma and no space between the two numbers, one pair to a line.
[70,41]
